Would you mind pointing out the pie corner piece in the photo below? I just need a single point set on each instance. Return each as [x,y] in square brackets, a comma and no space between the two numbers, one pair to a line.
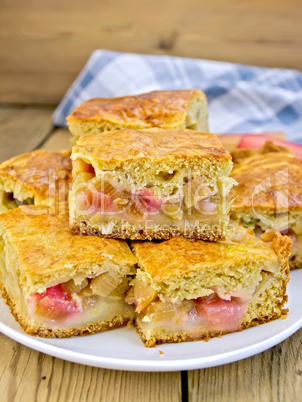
[269,193]
[151,184]
[188,290]
[39,178]
[55,294]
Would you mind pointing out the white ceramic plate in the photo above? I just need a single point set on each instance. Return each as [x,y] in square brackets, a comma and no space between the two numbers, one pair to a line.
[122,348]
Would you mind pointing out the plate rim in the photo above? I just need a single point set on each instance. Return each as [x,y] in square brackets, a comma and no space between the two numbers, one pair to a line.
[151,365]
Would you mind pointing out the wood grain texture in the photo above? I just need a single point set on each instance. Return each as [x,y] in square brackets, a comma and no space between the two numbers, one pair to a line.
[27,375]
[60,139]
[22,130]
[275,375]
[45,44]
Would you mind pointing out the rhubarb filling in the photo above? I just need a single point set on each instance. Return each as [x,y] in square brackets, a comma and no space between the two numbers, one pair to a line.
[107,198]
[216,312]
[75,304]
[211,313]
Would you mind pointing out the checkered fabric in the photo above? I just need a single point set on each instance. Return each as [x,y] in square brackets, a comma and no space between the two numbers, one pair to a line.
[241,98]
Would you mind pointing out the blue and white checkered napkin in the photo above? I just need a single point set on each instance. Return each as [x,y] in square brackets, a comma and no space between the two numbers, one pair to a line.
[241,98]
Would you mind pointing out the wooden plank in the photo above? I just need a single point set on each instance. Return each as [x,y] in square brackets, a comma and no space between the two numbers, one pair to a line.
[45,44]
[27,375]
[275,375]
[60,139]
[22,130]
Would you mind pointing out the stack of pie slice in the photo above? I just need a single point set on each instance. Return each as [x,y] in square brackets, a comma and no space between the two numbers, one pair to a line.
[145,235]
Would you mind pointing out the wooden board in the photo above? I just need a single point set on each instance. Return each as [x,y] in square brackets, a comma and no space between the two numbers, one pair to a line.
[60,139]
[27,375]
[22,130]
[44,45]
[275,375]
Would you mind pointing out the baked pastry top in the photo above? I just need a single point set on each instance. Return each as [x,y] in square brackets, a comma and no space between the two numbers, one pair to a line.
[36,175]
[49,254]
[120,146]
[165,109]
[179,258]
[190,290]
[267,181]
[269,192]
[240,154]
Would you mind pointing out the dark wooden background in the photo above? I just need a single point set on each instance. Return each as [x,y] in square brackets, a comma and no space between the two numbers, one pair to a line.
[44,44]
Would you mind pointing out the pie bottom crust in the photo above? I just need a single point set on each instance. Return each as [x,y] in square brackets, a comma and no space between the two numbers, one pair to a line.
[158,232]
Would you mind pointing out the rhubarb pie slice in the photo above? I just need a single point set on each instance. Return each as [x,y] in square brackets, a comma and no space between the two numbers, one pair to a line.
[190,289]
[150,184]
[165,109]
[269,193]
[58,284]
[39,178]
